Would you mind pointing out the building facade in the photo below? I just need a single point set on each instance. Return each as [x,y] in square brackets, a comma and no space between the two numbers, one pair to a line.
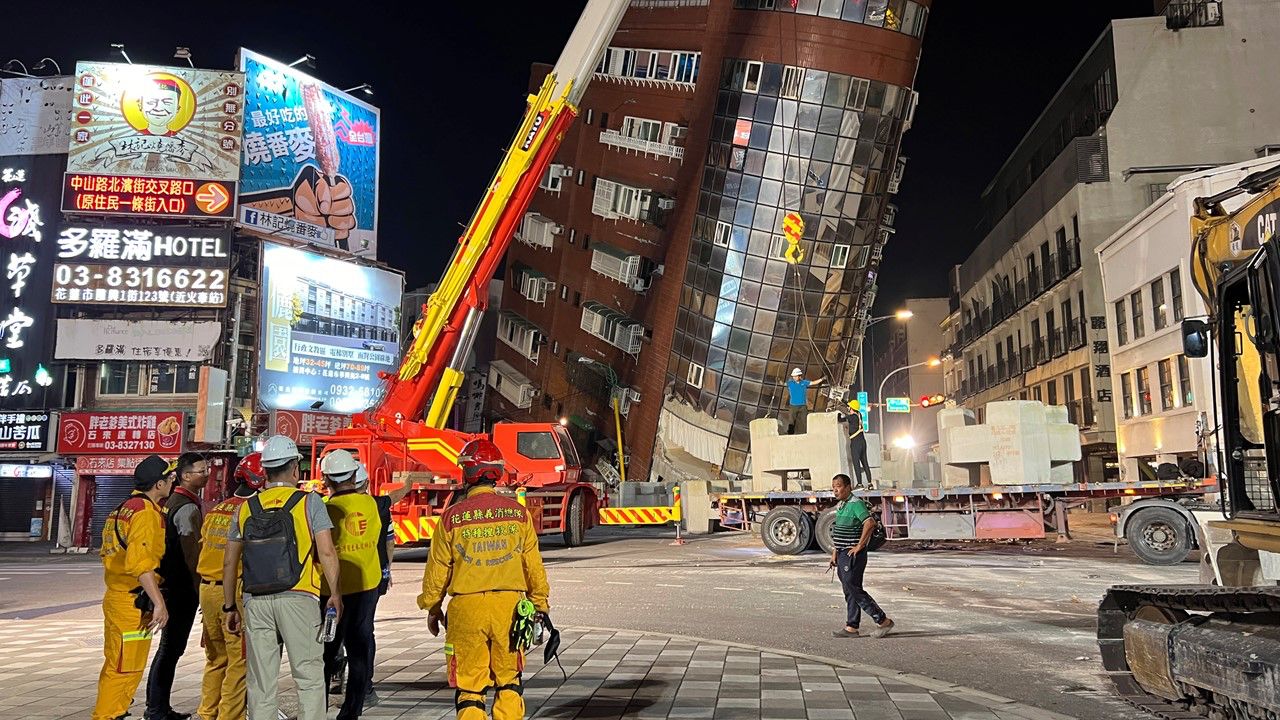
[650,267]
[1163,396]
[914,342]
[1032,321]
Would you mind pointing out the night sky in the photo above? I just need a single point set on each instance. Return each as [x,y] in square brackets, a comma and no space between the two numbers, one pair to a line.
[451,88]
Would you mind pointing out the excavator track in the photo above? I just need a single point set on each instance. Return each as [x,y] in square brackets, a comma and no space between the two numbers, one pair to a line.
[1182,604]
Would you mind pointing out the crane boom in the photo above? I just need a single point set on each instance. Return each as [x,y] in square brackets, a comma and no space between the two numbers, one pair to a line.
[433,364]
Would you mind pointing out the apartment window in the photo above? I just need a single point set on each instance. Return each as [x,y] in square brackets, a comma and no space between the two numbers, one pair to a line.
[1175,293]
[723,231]
[1158,306]
[1068,388]
[555,174]
[751,80]
[1165,369]
[1184,381]
[1036,394]
[1052,386]
[546,401]
[587,118]
[577,299]
[174,379]
[1126,395]
[858,94]
[1135,303]
[564,293]
[1144,391]
[118,378]
[555,347]
[839,256]
[582,177]
[1122,332]
[604,121]
[642,129]
[694,377]
[792,81]
[1155,191]
[778,248]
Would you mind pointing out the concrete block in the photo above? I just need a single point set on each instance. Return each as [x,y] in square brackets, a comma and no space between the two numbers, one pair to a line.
[696,501]
[1019,455]
[1064,442]
[823,451]
[1023,443]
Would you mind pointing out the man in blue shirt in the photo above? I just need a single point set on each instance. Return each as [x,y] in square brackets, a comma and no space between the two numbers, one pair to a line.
[796,420]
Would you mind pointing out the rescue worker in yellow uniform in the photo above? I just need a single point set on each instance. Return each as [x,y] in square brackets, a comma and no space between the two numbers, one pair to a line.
[132,607]
[222,696]
[357,532]
[484,554]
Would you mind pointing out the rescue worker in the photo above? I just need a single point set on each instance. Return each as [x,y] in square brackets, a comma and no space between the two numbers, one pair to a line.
[386,551]
[133,606]
[222,696]
[181,585]
[484,554]
[858,451]
[357,532]
[281,516]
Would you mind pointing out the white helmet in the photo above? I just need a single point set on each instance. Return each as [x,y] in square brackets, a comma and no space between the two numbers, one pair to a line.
[338,466]
[797,372]
[279,450]
[361,479]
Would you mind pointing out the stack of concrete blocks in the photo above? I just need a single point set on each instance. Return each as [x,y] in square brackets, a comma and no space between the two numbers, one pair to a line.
[823,451]
[644,494]
[1023,442]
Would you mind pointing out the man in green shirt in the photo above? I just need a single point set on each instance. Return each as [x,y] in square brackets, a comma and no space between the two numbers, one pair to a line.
[850,535]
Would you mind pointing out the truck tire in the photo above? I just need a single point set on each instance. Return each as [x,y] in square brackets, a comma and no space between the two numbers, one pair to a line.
[787,530]
[1158,536]
[822,530]
[574,522]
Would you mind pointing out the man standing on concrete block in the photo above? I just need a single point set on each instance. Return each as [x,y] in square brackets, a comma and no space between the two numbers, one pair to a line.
[796,421]
[851,538]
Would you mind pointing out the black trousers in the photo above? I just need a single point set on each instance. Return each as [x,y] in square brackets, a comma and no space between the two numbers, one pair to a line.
[355,635]
[373,642]
[856,599]
[182,605]
[861,466]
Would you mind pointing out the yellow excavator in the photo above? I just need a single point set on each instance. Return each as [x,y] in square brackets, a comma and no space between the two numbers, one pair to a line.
[1213,650]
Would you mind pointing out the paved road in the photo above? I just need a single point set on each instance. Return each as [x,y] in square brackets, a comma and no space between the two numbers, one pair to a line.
[1015,621]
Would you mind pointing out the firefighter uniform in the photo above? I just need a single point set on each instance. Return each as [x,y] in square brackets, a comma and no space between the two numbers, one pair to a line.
[223,694]
[132,544]
[484,553]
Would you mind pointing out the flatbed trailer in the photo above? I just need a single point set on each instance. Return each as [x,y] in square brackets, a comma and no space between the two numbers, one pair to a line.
[1158,524]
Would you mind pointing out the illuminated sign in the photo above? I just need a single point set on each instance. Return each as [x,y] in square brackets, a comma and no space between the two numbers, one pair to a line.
[11,470]
[280,226]
[148,196]
[24,431]
[112,433]
[163,122]
[897,404]
[303,426]
[310,153]
[28,221]
[328,328]
[126,264]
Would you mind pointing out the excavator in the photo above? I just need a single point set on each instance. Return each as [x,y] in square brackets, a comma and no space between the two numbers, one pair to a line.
[1213,650]
[403,440]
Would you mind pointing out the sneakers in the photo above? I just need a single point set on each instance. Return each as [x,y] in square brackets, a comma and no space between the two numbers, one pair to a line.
[882,630]
[844,633]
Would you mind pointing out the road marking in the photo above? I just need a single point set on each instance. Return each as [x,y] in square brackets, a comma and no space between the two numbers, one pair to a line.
[786,592]
[611,582]
[566,580]
[988,607]
[725,588]
[662,585]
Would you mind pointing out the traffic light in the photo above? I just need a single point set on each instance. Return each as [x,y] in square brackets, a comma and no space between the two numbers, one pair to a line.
[931,400]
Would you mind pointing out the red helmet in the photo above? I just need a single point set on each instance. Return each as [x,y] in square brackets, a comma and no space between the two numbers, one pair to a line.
[250,471]
[481,460]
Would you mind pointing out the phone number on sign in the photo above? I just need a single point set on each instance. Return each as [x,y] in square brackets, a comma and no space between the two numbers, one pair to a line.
[144,278]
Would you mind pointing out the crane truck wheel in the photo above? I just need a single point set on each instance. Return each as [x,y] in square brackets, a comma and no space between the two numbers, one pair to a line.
[573,522]
[822,530]
[787,530]
[1158,536]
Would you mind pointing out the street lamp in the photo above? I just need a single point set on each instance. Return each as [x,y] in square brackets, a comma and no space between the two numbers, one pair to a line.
[931,362]
[366,88]
[899,315]
[617,413]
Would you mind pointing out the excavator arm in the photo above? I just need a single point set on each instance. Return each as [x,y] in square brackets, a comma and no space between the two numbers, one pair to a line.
[1221,240]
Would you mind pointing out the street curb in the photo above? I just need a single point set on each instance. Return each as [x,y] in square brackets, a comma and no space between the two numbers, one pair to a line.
[988,700]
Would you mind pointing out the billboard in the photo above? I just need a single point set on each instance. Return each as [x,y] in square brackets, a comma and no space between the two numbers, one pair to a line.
[26,431]
[328,328]
[29,219]
[150,121]
[164,340]
[35,115]
[304,426]
[148,196]
[121,433]
[310,153]
[130,264]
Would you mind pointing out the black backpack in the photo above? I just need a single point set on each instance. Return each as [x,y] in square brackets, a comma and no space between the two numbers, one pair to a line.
[271,562]
[878,537]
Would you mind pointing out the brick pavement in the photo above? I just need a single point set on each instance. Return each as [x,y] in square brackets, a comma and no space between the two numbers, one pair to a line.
[49,668]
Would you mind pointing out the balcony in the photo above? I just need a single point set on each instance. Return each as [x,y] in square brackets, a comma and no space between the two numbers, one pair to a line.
[677,69]
[512,385]
[1057,346]
[519,334]
[1076,337]
[1080,412]
[617,140]
[1040,351]
[616,264]
[1025,359]
[656,4]
[612,326]
[1182,14]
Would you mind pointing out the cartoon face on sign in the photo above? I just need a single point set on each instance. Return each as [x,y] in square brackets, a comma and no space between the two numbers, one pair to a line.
[158,103]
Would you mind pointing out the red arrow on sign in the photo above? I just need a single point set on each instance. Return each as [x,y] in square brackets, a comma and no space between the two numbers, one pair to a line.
[211,198]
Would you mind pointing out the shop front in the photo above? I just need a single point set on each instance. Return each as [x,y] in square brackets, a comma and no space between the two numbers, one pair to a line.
[29,481]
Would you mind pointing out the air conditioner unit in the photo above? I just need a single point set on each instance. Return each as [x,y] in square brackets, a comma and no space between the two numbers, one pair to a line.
[666,203]
[658,270]
[678,132]
[634,394]
[566,171]
[557,229]
[639,285]
[551,286]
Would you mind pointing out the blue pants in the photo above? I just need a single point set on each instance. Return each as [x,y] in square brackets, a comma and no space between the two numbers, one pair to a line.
[856,599]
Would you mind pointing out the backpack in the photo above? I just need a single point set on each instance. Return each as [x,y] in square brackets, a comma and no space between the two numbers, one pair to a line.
[271,562]
[878,537]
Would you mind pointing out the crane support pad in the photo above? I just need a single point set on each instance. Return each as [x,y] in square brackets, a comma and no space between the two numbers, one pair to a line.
[637,515]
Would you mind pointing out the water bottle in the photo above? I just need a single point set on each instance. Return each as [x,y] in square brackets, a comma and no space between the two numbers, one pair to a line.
[537,632]
[330,631]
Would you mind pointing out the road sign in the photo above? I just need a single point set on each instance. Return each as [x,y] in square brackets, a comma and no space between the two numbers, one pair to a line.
[864,406]
[897,404]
